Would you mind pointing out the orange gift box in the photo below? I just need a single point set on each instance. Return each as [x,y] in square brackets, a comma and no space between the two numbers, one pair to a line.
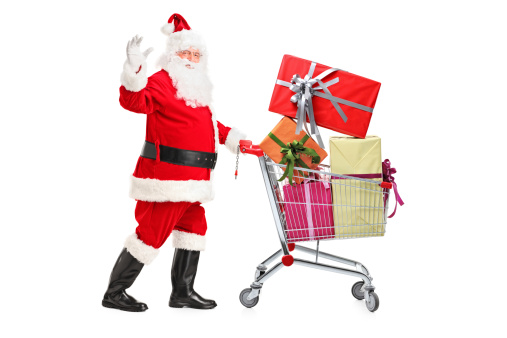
[285,131]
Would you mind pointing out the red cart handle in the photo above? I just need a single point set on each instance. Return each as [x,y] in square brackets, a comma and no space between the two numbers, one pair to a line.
[247,147]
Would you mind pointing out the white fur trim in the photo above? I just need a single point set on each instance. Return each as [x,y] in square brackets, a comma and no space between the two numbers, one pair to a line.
[153,190]
[233,138]
[188,241]
[132,81]
[141,251]
[168,28]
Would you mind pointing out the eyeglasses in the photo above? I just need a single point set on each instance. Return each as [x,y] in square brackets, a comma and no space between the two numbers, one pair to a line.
[187,53]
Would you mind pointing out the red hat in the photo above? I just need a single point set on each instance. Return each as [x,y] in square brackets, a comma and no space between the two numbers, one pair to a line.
[180,36]
[176,23]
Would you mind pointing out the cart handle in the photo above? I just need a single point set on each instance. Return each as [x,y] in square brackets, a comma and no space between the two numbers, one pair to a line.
[247,147]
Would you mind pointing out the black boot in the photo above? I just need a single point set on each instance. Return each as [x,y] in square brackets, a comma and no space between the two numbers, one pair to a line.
[124,273]
[182,278]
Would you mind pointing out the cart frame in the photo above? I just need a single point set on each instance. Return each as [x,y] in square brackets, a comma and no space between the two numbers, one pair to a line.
[361,290]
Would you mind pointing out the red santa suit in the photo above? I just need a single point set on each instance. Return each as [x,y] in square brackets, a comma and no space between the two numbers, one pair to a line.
[169,195]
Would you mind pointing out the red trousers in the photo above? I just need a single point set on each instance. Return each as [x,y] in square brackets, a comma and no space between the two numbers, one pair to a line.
[157,220]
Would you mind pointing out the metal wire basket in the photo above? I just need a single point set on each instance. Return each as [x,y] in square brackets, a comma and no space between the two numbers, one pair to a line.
[321,205]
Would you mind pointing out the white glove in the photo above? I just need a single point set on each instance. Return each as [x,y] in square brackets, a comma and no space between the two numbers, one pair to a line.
[134,76]
[134,56]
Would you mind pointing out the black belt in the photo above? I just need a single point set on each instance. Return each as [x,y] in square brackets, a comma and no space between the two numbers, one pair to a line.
[190,158]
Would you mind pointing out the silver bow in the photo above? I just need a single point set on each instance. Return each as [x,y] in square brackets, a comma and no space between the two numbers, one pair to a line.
[304,91]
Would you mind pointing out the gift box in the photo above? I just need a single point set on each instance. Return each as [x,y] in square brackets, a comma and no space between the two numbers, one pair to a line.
[308,211]
[358,205]
[282,143]
[333,98]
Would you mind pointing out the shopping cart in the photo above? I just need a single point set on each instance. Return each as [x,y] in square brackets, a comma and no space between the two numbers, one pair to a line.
[324,206]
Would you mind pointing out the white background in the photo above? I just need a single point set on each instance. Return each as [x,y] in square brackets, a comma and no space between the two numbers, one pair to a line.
[68,149]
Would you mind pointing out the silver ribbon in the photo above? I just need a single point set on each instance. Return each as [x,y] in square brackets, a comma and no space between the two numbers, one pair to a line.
[304,91]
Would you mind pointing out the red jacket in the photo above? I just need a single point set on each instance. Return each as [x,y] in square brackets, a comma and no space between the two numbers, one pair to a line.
[171,122]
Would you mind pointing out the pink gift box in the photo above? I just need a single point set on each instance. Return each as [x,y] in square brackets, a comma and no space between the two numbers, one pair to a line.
[308,211]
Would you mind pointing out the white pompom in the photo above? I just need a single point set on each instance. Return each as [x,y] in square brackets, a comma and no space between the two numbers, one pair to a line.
[168,28]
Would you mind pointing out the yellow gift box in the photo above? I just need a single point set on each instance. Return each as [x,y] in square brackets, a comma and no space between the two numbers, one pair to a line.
[358,206]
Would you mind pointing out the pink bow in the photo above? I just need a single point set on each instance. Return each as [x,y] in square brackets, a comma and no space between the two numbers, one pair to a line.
[388,172]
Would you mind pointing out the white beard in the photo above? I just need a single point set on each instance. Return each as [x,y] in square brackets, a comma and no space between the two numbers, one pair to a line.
[192,85]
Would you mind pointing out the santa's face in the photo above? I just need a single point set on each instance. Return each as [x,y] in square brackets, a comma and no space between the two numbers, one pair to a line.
[191,54]
[188,71]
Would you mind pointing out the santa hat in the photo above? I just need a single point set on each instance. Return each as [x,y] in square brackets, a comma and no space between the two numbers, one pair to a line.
[180,35]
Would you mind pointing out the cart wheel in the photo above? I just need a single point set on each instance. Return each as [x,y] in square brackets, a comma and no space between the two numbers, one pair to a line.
[247,303]
[356,290]
[373,304]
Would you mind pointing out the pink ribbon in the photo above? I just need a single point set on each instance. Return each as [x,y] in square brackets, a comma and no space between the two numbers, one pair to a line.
[358,176]
[388,172]
[309,217]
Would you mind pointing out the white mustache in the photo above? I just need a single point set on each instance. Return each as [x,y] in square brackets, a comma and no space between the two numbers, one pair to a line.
[187,63]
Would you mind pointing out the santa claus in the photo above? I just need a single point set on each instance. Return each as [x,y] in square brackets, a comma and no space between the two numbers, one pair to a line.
[174,173]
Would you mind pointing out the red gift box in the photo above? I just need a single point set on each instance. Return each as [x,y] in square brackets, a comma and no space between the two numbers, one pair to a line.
[354,95]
